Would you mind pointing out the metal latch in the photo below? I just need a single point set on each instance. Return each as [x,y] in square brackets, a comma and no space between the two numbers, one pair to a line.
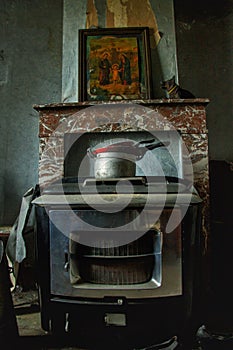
[67,263]
[115,319]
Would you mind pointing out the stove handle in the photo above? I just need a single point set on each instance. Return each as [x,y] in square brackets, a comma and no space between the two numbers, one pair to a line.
[67,262]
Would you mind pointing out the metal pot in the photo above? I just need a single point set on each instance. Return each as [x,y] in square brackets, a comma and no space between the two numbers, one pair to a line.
[112,165]
[119,159]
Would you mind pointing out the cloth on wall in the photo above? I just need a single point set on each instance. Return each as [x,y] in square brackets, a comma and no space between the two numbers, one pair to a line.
[16,248]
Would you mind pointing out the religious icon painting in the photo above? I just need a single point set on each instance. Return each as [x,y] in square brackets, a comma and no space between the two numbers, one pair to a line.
[114,64]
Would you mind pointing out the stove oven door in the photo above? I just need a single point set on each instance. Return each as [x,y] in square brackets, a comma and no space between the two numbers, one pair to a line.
[86,261]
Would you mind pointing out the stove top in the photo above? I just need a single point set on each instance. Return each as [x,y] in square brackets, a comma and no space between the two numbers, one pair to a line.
[136,185]
[137,190]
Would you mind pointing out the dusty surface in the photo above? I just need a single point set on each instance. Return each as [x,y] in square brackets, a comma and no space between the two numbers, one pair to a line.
[26,306]
[32,336]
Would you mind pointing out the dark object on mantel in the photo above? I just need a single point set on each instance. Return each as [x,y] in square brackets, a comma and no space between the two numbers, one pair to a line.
[174,90]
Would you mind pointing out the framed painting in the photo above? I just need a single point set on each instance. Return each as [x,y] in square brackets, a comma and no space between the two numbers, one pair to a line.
[114,64]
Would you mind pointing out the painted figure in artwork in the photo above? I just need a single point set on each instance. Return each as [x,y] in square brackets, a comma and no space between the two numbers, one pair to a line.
[104,69]
[125,70]
[115,73]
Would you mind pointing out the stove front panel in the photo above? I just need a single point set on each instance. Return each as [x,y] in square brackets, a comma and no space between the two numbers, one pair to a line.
[144,266]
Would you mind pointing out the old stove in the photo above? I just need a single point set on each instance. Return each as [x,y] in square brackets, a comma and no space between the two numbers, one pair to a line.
[118,259]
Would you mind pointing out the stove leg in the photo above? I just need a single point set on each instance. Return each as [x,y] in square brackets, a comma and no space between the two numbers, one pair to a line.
[58,324]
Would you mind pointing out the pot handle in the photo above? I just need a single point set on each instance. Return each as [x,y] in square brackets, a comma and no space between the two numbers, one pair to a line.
[90,153]
[144,142]
[144,149]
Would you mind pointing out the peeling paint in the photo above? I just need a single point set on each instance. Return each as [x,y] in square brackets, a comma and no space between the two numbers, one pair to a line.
[92,16]
[124,13]
[101,12]
[141,14]
[119,10]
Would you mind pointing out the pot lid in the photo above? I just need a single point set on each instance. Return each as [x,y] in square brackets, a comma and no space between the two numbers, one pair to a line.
[121,146]
[129,147]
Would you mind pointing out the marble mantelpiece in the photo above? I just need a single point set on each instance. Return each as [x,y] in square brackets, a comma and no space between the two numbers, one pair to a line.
[186,116]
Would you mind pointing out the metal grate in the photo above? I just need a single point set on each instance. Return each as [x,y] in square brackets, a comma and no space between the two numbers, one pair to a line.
[117,265]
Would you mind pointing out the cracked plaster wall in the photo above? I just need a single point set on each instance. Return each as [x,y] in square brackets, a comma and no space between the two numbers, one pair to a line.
[30,72]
